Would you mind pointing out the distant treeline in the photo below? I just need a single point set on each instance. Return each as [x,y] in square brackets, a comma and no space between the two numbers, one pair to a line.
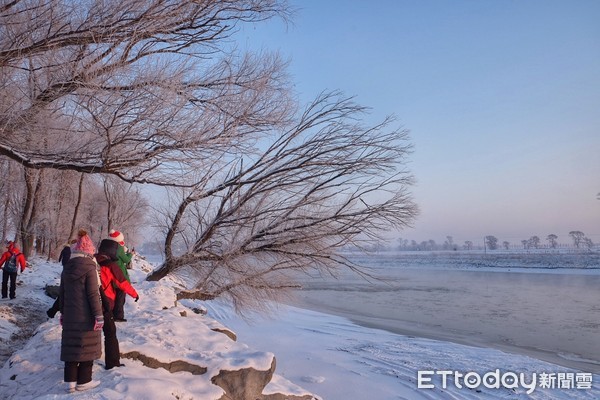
[579,242]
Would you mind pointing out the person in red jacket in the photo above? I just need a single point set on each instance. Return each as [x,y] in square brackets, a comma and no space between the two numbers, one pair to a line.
[10,262]
[110,274]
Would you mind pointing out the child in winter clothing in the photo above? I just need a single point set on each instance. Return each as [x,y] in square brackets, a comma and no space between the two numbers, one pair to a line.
[10,262]
[123,258]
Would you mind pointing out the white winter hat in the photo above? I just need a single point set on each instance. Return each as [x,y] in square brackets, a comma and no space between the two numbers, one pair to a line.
[117,237]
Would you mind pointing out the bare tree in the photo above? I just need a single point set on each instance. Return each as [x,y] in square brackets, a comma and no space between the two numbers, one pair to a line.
[449,243]
[37,207]
[55,226]
[551,238]
[327,182]
[152,91]
[93,210]
[402,244]
[534,242]
[126,207]
[468,245]
[577,237]
[134,87]
[144,90]
[77,206]
[10,190]
[54,199]
[491,242]
[506,245]
[34,189]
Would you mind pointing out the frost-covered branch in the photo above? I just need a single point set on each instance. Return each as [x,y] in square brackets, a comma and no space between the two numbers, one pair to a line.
[326,183]
[141,89]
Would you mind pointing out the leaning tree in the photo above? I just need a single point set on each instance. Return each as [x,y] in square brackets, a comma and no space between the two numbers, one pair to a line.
[155,92]
[254,222]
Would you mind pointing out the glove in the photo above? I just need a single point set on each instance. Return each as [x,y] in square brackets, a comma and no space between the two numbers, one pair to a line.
[137,298]
[99,323]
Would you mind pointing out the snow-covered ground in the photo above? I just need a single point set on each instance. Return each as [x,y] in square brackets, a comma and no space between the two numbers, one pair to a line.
[155,328]
[326,355]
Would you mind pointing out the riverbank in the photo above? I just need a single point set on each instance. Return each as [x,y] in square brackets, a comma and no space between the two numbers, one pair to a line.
[169,348]
[550,313]
[325,354]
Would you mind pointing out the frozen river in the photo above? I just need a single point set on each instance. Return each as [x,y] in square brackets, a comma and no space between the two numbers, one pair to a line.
[541,306]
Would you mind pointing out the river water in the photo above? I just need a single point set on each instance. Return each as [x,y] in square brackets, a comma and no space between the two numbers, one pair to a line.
[544,306]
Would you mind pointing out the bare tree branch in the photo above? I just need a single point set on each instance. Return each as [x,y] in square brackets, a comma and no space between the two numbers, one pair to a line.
[139,85]
[154,91]
[326,183]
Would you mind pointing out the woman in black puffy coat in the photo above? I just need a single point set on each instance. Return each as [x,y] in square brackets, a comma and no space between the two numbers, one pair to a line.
[81,316]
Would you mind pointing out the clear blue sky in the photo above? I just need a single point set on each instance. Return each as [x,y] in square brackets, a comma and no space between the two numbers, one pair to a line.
[502,99]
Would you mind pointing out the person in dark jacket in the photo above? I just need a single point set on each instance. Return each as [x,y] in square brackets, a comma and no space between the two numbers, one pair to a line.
[110,274]
[65,254]
[64,257]
[10,262]
[123,258]
[81,316]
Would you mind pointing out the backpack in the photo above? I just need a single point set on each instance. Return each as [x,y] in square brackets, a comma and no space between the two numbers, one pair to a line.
[11,264]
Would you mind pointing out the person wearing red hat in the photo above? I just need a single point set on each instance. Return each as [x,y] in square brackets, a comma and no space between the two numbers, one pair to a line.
[110,274]
[123,258]
[10,262]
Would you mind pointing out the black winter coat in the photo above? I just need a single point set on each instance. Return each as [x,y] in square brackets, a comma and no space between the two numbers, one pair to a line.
[79,300]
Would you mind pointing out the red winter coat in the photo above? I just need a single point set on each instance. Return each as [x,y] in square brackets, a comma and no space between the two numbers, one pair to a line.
[111,273]
[12,249]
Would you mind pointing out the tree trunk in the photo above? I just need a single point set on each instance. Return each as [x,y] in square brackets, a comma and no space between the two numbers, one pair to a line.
[50,244]
[5,219]
[159,273]
[39,244]
[79,196]
[26,222]
[109,206]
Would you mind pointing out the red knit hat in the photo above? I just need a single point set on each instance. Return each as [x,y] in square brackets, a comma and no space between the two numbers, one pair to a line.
[117,237]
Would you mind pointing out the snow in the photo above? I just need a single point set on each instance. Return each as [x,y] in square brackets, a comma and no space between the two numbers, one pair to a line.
[155,327]
[336,359]
[7,327]
[328,356]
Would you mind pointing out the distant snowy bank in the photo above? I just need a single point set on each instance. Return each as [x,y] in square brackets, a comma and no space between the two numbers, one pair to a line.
[557,261]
